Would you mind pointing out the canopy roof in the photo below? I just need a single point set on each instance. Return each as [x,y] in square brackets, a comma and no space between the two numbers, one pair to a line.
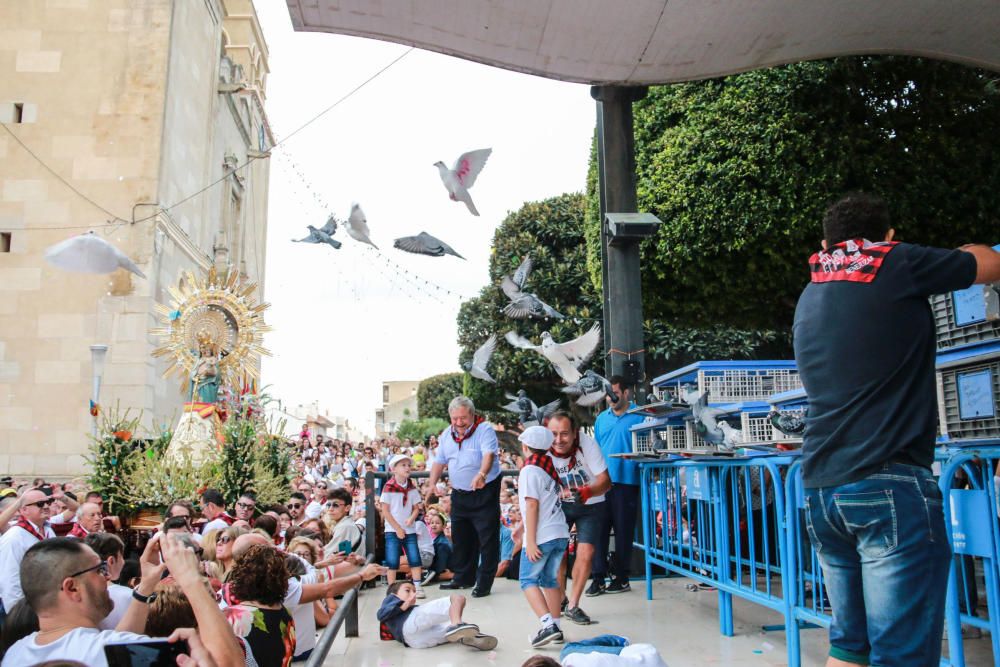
[661,41]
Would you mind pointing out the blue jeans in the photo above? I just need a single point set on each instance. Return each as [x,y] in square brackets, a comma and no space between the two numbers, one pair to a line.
[612,644]
[543,573]
[885,556]
[394,546]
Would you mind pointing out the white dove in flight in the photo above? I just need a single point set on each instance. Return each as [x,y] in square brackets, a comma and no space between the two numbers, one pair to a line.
[357,226]
[566,358]
[462,176]
[481,359]
[89,253]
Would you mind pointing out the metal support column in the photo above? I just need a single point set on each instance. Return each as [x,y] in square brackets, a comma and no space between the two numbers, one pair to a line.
[623,336]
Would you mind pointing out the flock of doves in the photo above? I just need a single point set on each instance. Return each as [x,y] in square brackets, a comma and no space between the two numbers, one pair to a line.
[457,181]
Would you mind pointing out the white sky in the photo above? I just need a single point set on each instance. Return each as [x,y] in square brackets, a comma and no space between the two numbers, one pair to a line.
[343,320]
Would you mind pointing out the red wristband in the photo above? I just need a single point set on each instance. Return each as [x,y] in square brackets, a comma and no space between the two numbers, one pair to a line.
[585,493]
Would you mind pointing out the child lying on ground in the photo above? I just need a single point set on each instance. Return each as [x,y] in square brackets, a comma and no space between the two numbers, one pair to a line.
[432,624]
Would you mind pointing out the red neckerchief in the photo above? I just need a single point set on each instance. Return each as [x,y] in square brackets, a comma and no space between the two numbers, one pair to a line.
[230,520]
[544,462]
[30,527]
[468,434]
[856,261]
[78,531]
[572,452]
[392,486]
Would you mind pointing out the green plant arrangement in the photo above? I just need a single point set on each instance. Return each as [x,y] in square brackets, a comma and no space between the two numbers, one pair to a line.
[112,456]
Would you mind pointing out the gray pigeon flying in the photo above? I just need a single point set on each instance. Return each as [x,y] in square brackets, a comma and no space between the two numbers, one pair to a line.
[528,413]
[590,389]
[323,235]
[425,244]
[481,359]
[524,304]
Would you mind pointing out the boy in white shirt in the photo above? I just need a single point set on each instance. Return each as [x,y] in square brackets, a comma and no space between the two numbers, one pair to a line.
[545,533]
[401,505]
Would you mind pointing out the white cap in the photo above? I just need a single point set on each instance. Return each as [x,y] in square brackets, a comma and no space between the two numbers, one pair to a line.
[536,437]
[397,458]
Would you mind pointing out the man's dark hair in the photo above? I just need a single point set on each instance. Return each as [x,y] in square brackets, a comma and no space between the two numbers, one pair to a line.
[93,494]
[566,414]
[619,380]
[105,545]
[175,522]
[44,567]
[267,523]
[250,495]
[341,494]
[856,215]
[297,495]
[213,496]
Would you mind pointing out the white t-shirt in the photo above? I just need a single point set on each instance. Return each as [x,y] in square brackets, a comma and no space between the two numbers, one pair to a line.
[400,512]
[425,541]
[214,524]
[589,464]
[636,655]
[533,482]
[85,645]
[305,621]
[121,596]
[313,510]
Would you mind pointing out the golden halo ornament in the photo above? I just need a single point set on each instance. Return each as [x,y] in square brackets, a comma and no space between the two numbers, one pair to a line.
[217,312]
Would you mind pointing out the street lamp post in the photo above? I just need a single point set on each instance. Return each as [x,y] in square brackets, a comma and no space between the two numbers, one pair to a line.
[97,355]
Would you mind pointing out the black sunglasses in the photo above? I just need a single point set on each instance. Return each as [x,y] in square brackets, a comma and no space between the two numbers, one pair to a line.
[101,567]
[41,503]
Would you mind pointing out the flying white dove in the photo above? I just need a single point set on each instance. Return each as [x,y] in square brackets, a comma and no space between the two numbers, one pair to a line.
[357,226]
[89,253]
[481,359]
[566,358]
[462,176]
[524,304]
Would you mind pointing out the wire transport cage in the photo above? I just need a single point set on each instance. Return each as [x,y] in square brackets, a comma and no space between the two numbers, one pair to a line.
[966,317]
[732,381]
[969,395]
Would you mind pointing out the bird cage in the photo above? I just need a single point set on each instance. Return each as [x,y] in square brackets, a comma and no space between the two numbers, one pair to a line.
[694,443]
[733,381]
[969,394]
[756,428]
[642,442]
[675,436]
[966,317]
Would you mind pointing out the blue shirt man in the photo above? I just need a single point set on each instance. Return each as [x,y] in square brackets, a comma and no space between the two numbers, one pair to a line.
[611,430]
[465,460]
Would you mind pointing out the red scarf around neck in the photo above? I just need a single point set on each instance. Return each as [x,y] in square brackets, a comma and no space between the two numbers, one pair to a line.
[392,486]
[30,527]
[544,462]
[78,531]
[572,452]
[468,434]
[855,260]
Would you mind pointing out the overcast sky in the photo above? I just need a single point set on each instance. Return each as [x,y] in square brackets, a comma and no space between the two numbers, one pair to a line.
[344,320]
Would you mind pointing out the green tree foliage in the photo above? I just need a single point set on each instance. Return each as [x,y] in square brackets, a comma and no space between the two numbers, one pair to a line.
[421,429]
[434,394]
[741,168]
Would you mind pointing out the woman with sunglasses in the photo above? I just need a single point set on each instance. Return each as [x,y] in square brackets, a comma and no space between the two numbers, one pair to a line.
[224,550]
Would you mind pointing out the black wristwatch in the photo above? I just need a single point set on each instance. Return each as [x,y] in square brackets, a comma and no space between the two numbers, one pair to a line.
[145,599]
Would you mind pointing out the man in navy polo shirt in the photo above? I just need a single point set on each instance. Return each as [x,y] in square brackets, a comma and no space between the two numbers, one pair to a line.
[470,450]
[613,433]
[865,346]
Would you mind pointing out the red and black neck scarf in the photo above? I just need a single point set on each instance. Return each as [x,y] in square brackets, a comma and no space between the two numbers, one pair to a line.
[544,462]
[572,452]
[468,434]
[392,486]
[856,261]
[78,531]
[229,520]
[30,527]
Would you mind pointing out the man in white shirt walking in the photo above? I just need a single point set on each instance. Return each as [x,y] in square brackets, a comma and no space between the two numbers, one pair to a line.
[31,528]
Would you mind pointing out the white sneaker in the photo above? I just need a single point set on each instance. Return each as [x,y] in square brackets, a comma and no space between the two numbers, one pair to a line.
[420,593]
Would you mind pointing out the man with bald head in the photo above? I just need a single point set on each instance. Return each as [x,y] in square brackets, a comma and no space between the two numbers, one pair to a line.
[32,527]
[89,519]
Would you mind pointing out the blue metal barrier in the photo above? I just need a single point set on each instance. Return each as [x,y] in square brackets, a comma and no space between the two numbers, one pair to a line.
[721,523]
[971,514]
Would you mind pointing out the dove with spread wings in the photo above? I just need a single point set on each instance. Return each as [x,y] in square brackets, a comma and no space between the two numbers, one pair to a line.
[591,389]
[322,235]
[89,253]
[357,226]
[425,244]
[462,176]
[481,359]
[524,304]
[567,358]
